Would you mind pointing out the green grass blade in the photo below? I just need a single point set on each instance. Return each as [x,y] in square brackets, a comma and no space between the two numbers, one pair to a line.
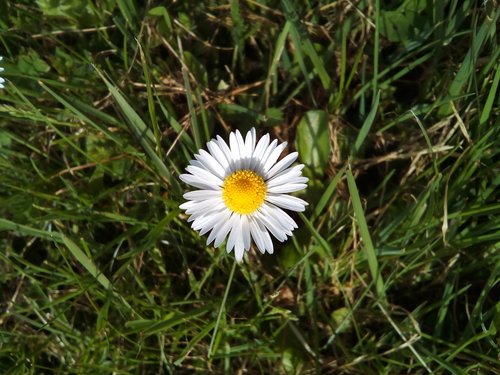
[327,195]
[189,98]
[151,104]
[367,124]
[488,105]
[376,49]
[138,129]
[467,68]
[321,241]
[302,41]
[370,252]
[7,225]
[278,51]
[80,114]
[221,310]
[86,262]
[429,144]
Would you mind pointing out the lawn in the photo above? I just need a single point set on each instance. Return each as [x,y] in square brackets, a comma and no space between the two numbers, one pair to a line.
[393,109]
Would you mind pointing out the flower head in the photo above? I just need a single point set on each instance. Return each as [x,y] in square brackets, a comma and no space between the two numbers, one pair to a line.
[1,79]
[243,189]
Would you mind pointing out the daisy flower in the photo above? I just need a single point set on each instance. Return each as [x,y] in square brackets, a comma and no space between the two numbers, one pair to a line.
[1,79]
[243,190]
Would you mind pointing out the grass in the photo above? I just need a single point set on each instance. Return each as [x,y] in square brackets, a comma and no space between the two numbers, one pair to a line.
[393,107]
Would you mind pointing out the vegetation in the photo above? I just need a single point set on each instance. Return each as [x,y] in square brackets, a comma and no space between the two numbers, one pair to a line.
[393,107]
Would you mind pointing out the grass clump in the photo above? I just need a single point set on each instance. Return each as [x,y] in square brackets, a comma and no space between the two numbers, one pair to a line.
[393,107]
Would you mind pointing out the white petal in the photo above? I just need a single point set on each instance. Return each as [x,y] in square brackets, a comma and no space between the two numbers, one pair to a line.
[265,237]
[218,172]
[208,217]
[257,235]
[242,234]
[200,222]
[187,205]
[269,242]
[281,216]
[203,206]
[217,153]
[240,244]
[286,188]
[261,147]
[220,231]
[211,164]
[238,252]
[204,174]
[250,140]
[282,164]
[248,148]
[267,152]
[214,219]
[245,232]
[269,162]
[235,150]
[241,143]
[274,227]
[200,195]
[227,152]
[288,175]
[198,182]
[287,201]
[214,231]
[235,235]
[207,226]
[244,155]
[200,208]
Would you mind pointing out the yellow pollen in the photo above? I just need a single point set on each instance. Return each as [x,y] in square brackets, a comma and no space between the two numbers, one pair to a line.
[243,191]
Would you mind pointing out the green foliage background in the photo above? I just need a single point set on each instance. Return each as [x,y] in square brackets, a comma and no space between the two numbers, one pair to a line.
[393,107]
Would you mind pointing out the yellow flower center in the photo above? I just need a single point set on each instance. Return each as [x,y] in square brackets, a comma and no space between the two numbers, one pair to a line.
[243,191]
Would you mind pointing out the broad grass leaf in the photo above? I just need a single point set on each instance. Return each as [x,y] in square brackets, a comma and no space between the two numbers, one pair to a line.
[274,117]
[405,22]
[313,141]
[32,64]
[165,24]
